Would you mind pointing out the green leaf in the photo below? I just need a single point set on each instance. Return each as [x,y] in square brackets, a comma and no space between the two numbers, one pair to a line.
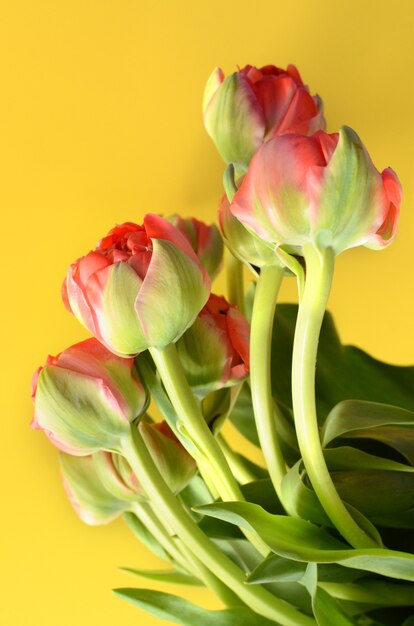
[181,611]
[302,501]
[342,372]
[348,458]
[326,609]
[394,507]
[263,493]
[302,541]
[276,568]
[165,576]
[370,420]
[372,592]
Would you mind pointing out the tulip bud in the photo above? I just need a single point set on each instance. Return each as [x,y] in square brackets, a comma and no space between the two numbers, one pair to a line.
[205,240]
[214,352]
[122,291]
[90,498]
[253,105]
[244,244]
[86,397]
[322,190]
[176,466]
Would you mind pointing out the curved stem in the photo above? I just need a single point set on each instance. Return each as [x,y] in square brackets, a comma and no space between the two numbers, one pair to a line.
[211,581]
[239,468]
[181,554]
[264,307]
[319,273]
[187,408]
[235,283]
[147,516]
[255,596]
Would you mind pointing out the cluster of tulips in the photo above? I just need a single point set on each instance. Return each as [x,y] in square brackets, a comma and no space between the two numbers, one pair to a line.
[291,542]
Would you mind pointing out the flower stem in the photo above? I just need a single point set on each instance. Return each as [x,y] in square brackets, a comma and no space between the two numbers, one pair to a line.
[264,306]
[256,597]
[319,274]
[181,555]
[236,463]
[147,516]
[189,411]
[235,285]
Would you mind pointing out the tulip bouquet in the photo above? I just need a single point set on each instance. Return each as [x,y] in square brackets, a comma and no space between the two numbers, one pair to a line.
[320,532]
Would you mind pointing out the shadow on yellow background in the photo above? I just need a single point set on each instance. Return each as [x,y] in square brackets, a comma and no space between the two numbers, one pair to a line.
[100,123]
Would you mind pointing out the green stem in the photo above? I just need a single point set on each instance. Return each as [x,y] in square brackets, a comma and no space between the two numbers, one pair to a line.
[319,274]
[240,469]
[235,282]
[182,555]
[256,597]
[187,408]
[147,516]
[264,307]
[211,581]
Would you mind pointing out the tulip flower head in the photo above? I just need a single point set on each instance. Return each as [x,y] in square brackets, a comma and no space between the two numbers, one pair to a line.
[323,190]
[141,287]
[243,243]
[253,105]
[205,240]
[86,397]
[94,488]
[175,464]
[214,352]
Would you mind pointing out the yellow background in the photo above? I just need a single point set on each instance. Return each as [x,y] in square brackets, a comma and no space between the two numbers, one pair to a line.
[100,122]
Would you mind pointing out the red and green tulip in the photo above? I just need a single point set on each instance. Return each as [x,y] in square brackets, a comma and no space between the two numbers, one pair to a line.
[142,287]
[323,190]
[253,105]
[205,240]
[214,352]
[86,397]
[94,487]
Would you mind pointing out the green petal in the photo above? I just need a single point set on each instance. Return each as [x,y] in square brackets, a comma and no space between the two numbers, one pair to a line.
[173,293]
[119,324]
[350,206]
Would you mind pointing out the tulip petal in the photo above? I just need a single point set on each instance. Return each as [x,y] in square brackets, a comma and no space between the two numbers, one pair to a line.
[301,109]
[88,496]
[234,119]
[113,292]
[273,199]
[78,410]
[275,95]
[205,354]
[351,197]
[213,83]
[174,291]
[392,202]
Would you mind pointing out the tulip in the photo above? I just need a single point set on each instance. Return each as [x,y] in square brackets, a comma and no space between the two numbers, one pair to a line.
[243,243]
[142,287]
[205,240]
[316,197]
[214,352]
[88,493]
[253,105]
[86,397]
[171,458]
[322,190]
